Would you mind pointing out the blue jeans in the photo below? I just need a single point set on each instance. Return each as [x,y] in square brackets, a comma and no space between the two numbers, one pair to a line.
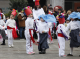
[21,30]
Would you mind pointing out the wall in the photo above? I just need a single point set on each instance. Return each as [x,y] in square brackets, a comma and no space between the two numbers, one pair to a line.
[4,4]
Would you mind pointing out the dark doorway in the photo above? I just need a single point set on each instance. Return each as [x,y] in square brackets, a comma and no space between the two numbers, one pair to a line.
[31,3]
[71,4]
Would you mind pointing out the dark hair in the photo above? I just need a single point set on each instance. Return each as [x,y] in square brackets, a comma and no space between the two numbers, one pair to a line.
[76,19]
[1,10]
[45,7]
[35,7]
[78,7]
[60,10]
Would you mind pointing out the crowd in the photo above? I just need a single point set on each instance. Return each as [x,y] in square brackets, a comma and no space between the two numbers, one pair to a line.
[40,23]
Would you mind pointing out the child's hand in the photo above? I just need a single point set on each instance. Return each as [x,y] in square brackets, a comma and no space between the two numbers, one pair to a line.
[37,31]
[35,43]
[43,32]
[79,34]
[3,28]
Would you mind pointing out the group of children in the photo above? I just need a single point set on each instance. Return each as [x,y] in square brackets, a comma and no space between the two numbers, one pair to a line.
[42,24]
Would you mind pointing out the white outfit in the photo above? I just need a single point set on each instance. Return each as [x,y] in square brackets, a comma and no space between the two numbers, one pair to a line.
[73,25]
[49,26]
[11,23]
[68,32]
[61,40]
[29,25]
[4,18]
[43,26]
[36,14]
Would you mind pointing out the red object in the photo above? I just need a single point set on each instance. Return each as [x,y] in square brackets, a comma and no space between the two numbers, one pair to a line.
[31,37]
[14,34]
[60,35]
[50,34]
[37,3]
[58,7]
[61,20]
[14,12]
[28,11]
[50,13]
[58,45]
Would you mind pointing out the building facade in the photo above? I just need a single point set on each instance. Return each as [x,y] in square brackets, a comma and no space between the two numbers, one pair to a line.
[65,4]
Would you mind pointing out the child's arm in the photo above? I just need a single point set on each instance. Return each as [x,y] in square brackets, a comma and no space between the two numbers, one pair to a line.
[63,31]
[1,27]
[3,17]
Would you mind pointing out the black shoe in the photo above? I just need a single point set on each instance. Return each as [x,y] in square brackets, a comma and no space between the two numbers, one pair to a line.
[43,51]
[79,55]
[3,44]
[69,55]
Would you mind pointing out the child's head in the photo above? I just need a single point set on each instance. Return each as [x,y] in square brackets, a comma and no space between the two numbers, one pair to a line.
[7,17]
[60,10]
[67,21]
[72,19]
[31,15]
[42,20]
[12,16]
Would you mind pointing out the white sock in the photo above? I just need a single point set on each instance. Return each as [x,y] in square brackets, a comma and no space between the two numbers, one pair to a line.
[71,50]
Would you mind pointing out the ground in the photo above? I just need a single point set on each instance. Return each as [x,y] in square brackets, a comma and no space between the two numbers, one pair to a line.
[19,51]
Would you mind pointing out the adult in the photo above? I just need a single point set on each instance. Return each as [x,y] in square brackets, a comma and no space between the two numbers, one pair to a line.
[67,14]
[21,22]
[49,6]
[37,11]
[45,9]
[55,14]
[78,9]
[2,23]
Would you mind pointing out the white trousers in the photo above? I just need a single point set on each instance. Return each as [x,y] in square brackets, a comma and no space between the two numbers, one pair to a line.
[61,42]
[10,37]
[29,43]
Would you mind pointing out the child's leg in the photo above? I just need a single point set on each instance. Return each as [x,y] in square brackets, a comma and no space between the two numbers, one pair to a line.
[31,48]
[9,37]
[27,45]
[71,50]
[38,37]
[61,42]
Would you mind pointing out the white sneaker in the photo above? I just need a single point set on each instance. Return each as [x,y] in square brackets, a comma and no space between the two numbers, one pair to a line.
[12,45]
[9,46]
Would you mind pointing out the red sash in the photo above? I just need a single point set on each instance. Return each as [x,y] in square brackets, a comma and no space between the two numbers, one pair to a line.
[14,34]
[60,35]
[31,38]
[50,34]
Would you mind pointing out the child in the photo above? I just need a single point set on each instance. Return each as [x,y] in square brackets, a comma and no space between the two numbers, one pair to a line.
[43,32]
[10,24]
[74,26]
[61,35]
[49,33]
[29,32]
[66,25]
[2,23]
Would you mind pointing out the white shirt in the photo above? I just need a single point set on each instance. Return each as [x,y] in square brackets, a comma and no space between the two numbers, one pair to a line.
[43,26]
[1,27]
[37,13]
[29,23]
[2,23]
[11,23]
[62,27]
[73,25]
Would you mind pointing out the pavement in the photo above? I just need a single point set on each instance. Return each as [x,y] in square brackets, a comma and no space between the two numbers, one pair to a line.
[19,51]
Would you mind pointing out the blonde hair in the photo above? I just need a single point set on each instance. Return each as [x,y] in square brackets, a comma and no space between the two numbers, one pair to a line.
[68,12]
